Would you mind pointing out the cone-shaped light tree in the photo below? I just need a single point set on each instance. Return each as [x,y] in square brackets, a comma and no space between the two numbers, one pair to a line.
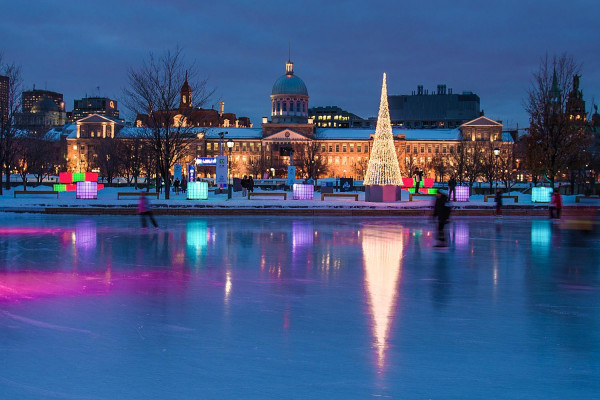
[383,166]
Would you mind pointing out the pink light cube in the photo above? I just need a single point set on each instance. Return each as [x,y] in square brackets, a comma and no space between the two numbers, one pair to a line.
[428,182]
[408,182]
[65,177]
[91,176]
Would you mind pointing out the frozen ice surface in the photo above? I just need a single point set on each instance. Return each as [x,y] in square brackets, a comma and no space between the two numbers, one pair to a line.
[297,308]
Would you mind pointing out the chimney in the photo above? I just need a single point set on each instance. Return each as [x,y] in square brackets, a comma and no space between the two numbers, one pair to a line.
[221,108]
[420,89]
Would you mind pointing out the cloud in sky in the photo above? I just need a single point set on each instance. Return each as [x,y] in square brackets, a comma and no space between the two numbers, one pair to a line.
[340,49]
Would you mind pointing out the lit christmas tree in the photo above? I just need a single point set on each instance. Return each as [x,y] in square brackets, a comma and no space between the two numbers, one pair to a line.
[383,166]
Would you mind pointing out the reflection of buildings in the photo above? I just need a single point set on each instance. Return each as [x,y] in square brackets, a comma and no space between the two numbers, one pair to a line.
[382,253]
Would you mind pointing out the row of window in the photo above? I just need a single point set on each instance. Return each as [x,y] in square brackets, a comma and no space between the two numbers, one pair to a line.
[291,106]
[430,149]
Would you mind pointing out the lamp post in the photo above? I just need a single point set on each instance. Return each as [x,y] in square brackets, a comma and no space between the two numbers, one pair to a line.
[497,154]
[229,184]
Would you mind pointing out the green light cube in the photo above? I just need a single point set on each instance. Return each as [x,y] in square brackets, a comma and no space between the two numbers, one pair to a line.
[79,177]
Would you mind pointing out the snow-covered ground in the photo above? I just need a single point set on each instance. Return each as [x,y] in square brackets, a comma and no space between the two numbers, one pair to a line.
[108,197]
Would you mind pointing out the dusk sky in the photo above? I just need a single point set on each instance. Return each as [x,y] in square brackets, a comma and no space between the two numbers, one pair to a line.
[340,49]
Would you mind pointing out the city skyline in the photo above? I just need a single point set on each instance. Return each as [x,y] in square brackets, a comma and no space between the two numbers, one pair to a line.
[339,50]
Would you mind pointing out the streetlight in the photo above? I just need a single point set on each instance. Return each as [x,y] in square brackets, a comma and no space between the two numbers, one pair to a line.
[229,146]
[497,154]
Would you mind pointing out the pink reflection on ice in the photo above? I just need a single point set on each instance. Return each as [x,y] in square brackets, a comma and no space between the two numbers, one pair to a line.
[32,285]
[382,253]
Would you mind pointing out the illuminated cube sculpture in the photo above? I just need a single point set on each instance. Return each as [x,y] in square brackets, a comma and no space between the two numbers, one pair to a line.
[78,176]
[197,191]
[462,193]
[87,190]
[541,194]
[303,192]
[60,187]
[65,177]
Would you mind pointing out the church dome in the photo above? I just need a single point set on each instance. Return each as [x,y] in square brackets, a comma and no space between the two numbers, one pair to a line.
[44,105]
[289,83]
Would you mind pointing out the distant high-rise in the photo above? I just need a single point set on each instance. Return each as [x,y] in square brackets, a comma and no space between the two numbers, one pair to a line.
[32,97]
[42,111]
[335,117]
[94,105]
[4,83]
[440,109]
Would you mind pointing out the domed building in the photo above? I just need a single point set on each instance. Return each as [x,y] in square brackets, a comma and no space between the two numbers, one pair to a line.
[289,98]
[289,108]
[44,115]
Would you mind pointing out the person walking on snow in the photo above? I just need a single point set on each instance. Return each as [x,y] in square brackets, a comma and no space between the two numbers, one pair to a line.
[145,211]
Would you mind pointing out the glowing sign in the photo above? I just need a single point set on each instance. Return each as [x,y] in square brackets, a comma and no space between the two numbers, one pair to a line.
[209,161]
[111,104]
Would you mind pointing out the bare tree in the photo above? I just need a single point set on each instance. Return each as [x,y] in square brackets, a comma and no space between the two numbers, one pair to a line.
[488,163]
[556,138]
[439,167]
[8,110]
[309,159]
[108,156]
[154,89]
[133,158]
[33,156]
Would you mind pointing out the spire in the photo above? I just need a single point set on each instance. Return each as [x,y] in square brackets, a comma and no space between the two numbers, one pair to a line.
[185,100]
[289,68]
[383,166]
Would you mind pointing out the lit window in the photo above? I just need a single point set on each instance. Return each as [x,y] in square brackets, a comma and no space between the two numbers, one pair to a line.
[351,148]
[358,147]
[344,148]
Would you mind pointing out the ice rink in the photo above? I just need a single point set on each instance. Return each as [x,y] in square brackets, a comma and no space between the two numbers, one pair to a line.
[297,308]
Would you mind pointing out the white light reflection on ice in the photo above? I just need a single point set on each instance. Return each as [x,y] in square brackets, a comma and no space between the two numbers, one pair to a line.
[382,253]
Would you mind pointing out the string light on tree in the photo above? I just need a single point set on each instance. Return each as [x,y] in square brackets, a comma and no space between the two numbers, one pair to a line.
[383,166]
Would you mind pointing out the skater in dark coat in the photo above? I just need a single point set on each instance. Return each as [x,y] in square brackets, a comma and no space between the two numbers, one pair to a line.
[498,200]
[452,189]
[441,210]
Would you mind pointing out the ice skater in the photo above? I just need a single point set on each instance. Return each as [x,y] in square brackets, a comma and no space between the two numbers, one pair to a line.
[145,211]
[555,204]
[498,201]
[441,210]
